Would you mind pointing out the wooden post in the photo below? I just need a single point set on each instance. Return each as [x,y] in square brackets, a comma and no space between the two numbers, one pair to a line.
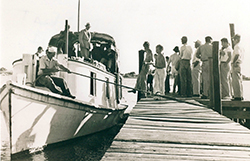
[66,37]
[216,78]
[232,33]
[211,82]
[141,58]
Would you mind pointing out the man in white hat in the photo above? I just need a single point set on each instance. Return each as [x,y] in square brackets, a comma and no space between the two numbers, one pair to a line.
[203,53]
[196,71]
[84,40]
[46,74]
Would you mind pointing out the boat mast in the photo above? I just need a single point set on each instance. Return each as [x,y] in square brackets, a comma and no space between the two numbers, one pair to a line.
[78,25]
[78,21]
[66,37]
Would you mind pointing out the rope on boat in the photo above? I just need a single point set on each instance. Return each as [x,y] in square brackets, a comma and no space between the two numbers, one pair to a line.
[101,80]
[143,91]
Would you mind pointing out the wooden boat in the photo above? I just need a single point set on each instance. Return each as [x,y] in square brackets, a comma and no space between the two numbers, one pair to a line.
[36,117]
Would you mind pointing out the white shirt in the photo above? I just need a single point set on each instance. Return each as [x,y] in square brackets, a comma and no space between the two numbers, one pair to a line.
[194,57]
[46,63]
[238,50]
[186,52]
[223,58]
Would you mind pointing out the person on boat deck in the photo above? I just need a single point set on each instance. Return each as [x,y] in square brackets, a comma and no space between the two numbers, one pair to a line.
[84,40]
[109,58]
[62,43]
[141,82]
[38,54]
[97,51]
[47,68]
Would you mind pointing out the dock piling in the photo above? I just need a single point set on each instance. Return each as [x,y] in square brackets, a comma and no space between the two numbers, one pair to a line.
[141,58]
[216,78]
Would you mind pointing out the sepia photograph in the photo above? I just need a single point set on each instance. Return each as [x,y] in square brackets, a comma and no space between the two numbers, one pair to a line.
[128,80]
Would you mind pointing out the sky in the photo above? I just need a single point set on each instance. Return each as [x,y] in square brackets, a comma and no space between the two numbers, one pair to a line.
[27,24]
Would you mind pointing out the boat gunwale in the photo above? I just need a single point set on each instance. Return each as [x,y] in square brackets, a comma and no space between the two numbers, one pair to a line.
[77,61]
[93,108]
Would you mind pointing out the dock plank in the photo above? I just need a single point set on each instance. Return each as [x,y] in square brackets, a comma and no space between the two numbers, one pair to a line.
[171,130]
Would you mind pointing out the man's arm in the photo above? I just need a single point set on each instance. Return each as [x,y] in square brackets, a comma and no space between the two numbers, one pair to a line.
[49,71]
[64,68]
[229,57]
[198,53]
[235,58]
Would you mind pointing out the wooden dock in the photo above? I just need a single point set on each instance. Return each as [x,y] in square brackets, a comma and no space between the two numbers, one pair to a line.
[172,130]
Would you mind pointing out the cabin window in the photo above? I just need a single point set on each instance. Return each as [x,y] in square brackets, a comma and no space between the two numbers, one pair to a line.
[93,84]
[107,88]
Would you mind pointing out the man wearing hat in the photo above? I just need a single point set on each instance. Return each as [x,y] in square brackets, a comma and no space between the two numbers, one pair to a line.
[225,59]
[196,71]
[46,74]
[173,60]
[236,69]
[84,39]
[203,53]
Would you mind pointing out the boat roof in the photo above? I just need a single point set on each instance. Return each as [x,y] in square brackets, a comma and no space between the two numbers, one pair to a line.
[102,38]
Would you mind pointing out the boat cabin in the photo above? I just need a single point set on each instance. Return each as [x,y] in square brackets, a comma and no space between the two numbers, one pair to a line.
[98,80]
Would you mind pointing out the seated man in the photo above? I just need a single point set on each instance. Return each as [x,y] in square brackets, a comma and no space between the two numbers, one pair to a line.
[48,67]
[108,59]
[97,52]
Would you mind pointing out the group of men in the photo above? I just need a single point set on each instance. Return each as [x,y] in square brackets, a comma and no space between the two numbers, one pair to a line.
[187,75]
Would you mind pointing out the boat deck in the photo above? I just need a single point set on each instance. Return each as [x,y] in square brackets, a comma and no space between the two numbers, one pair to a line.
[173,130]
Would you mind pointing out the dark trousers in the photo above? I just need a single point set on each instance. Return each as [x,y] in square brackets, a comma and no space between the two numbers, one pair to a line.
[150,82]
[167,84]
[55,84]
[185,78]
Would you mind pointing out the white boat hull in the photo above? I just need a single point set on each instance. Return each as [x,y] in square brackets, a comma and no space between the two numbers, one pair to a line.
[36,118]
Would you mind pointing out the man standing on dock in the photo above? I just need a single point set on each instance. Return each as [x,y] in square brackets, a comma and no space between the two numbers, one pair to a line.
[196,71]
[204,52]
[185,68]
[225,59]
[236,69]
[160,72]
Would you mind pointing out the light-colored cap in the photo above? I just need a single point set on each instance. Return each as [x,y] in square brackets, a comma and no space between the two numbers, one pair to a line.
[52,49]
[198,42]
[237,36]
